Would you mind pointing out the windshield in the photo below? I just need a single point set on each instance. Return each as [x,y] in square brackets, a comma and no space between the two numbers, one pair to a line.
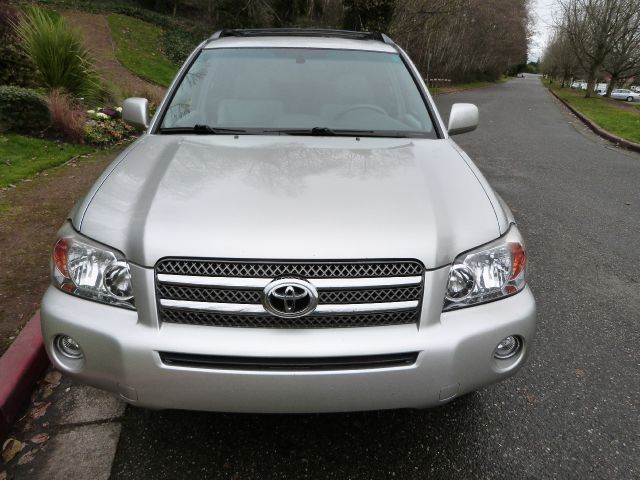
[292,90]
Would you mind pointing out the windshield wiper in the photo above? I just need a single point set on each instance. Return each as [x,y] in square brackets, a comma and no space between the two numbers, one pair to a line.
[200,129]
[321,132]
[330,132]
[318,131]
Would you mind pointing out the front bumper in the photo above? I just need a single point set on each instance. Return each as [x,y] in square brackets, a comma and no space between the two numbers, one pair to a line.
[121,355]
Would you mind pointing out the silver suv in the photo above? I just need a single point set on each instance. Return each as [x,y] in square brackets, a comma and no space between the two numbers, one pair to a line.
[295,232]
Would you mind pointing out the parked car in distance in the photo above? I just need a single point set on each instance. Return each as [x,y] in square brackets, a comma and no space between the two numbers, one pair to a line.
[625,94]
[600,88]
[579,85]
[295,231]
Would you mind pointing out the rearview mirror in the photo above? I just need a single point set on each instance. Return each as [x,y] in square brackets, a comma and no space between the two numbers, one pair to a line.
[135,111]
[463,118]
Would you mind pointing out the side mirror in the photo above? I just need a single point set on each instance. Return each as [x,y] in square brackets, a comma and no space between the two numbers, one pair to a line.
[463,118]
[135,111]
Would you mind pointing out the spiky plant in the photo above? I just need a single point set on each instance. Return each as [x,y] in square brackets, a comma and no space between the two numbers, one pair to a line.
[57,51]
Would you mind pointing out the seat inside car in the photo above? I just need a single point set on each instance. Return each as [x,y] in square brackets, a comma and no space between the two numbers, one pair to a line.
[252,104]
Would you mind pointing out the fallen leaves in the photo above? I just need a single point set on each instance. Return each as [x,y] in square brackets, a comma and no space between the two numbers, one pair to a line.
[10,449]
[48,384]
[13,447]
[53,378]
[39,438]
[39,409]
[51,381]
[47,391]
[27,457]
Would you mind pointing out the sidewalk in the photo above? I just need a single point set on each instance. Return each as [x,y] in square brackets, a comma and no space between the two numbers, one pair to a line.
[69,431]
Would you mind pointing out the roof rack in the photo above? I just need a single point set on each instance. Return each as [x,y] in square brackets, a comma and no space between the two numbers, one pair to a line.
[300,32]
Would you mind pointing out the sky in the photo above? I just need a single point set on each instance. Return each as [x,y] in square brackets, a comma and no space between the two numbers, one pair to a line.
[543,11]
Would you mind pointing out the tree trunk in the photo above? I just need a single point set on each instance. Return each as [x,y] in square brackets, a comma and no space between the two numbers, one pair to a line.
[591,79]
[612,82]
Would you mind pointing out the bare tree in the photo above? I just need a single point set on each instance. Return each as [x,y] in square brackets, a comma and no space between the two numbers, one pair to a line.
[624,59]
[594,28]
[559,58]
[463,39]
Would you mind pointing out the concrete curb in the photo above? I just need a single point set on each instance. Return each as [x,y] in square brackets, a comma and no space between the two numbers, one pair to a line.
[635,147]
[20,368]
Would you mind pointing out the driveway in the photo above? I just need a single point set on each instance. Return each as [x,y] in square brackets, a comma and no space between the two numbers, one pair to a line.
[571,412]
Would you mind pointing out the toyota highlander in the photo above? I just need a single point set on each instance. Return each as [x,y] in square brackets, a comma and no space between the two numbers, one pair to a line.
[294,231]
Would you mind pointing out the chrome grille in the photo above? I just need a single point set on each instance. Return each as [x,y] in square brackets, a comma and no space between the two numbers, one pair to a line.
[371,295]
[229,294]
[269,321]
[205,294]
[212,268]
[223,295]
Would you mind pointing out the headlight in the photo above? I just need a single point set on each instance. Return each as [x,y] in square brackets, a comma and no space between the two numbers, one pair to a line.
[493,271]
[89,270]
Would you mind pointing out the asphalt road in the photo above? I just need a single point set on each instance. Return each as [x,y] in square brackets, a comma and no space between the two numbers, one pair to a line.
[571,412]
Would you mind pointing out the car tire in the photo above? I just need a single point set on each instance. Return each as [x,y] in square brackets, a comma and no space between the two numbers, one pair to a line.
[629,99]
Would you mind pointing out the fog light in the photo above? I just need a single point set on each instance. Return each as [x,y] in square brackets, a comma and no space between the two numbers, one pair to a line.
[68,347]
[508,347]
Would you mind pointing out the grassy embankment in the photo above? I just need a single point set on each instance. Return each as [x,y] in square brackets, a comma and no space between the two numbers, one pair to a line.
[22,156]
[138,48]
[619,118]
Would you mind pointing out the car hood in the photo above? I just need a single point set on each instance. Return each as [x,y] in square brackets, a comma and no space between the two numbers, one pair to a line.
[284,197]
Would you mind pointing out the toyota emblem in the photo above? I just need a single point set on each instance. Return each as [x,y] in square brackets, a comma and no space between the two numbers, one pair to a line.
[290,297]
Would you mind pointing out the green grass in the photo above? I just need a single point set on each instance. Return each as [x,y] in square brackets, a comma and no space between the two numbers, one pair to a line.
[22,156]
[138,48]
[612,115]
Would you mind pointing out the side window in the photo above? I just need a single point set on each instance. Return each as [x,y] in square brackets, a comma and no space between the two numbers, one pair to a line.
[184,105]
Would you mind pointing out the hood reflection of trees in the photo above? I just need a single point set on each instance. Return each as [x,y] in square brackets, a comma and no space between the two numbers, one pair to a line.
[283,167]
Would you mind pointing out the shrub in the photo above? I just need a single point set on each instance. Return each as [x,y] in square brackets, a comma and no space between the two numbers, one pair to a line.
[58,53]
[15,66]
[22,109]
[178,44]
[66,118]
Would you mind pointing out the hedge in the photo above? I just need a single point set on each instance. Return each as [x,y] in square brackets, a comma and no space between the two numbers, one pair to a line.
[22,110]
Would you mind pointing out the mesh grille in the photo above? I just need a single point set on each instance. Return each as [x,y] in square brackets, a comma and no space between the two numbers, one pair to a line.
[377,295]
[207,294]
[203,294]
[237,294]
[273,270]
[268,321]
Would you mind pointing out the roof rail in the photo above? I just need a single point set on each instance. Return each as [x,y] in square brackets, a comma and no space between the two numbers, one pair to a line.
[300,32]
